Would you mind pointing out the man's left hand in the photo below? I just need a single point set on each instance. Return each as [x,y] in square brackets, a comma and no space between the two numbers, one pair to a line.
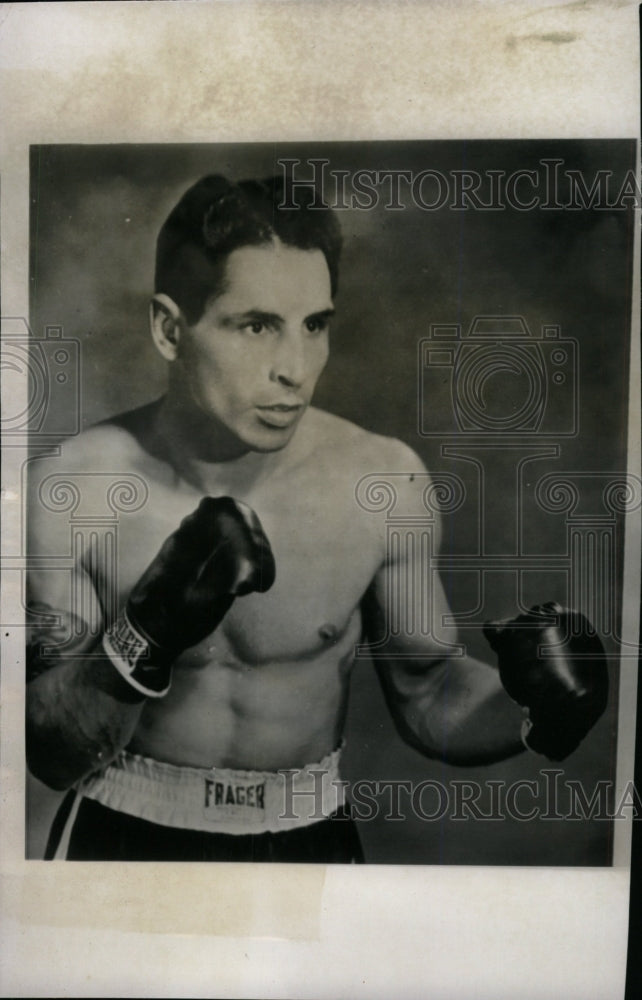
[553,664]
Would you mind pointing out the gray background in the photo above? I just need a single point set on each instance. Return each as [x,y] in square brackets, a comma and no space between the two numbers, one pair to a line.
[95,215]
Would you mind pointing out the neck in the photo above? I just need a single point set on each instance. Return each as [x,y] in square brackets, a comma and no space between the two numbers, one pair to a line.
[204,453]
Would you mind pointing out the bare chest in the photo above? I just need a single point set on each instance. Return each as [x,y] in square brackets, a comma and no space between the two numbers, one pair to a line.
[326,554]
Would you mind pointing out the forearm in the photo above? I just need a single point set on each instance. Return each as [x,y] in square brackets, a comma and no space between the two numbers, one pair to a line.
[79,714]
[457,711]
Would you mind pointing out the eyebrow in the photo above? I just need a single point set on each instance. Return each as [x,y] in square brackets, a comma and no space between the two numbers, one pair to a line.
[269,318]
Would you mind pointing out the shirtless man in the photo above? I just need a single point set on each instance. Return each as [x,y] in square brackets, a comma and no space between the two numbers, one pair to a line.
[181,708]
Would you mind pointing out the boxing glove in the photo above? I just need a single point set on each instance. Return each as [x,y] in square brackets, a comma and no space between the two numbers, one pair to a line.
[219,552]
[553,664]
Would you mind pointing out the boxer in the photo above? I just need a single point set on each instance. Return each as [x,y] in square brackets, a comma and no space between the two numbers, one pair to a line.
[174,696]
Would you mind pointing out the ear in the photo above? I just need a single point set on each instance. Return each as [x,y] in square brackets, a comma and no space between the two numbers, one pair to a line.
[166,324]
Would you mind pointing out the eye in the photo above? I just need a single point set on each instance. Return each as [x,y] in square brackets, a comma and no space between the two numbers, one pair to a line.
[317,324]
[256,326]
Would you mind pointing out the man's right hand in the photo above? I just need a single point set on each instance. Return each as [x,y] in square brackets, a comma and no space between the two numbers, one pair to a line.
[218,553]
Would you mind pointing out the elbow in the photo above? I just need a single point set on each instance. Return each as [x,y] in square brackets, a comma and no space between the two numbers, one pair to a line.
[447,740]
[48,765]
[42,756]
[48,771]
[414,736]
[49,759]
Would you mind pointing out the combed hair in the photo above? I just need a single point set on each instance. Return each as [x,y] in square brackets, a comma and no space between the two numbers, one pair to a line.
[216,216]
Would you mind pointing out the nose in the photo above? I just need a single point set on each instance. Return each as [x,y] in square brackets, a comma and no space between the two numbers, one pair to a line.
[289,362]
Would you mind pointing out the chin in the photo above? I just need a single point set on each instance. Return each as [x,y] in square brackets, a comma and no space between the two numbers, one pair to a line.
[268,450]
[267,439]
[271,442]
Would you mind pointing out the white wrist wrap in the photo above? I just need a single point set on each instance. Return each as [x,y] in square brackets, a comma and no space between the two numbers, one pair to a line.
[129,652]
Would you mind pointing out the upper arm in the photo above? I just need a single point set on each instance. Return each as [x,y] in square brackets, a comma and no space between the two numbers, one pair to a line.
[64,616]
[406,606]
[444,702]
[405,610]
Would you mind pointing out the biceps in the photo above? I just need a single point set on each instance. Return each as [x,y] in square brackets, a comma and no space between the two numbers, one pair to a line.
[407,608]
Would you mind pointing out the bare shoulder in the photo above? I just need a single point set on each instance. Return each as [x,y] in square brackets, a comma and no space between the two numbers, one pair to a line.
[79,480]
[80,472]
[382,473]
[358,450]
[110,446]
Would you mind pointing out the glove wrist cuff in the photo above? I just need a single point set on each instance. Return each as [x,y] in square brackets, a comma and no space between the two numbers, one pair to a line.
[143,666]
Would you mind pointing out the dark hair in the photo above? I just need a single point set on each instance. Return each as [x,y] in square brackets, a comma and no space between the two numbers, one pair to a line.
[216,216]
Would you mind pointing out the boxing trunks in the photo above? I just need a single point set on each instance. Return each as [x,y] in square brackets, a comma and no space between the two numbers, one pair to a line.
[139,809]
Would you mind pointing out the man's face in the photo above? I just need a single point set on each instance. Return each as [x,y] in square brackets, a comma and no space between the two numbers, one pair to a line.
[253,359]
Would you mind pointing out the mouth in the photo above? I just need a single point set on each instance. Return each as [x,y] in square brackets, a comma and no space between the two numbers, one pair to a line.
[282,407]
[279,414]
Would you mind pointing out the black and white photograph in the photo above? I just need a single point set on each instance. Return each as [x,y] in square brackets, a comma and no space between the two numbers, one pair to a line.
[330,567]
[321,498]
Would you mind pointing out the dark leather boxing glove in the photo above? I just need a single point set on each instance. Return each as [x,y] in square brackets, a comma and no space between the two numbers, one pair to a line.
[218,553]
[552,663]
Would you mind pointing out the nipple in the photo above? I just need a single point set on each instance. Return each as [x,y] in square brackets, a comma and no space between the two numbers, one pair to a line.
[328,632]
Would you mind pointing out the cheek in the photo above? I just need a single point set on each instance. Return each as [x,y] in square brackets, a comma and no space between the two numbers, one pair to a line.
[322,362]
[209,364]
[195,357]
[319,358]
[225,380]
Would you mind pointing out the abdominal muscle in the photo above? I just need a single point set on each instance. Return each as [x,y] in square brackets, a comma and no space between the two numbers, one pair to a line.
[225,712]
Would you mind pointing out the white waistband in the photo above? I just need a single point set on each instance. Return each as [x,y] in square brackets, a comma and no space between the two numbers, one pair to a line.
[219,800]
